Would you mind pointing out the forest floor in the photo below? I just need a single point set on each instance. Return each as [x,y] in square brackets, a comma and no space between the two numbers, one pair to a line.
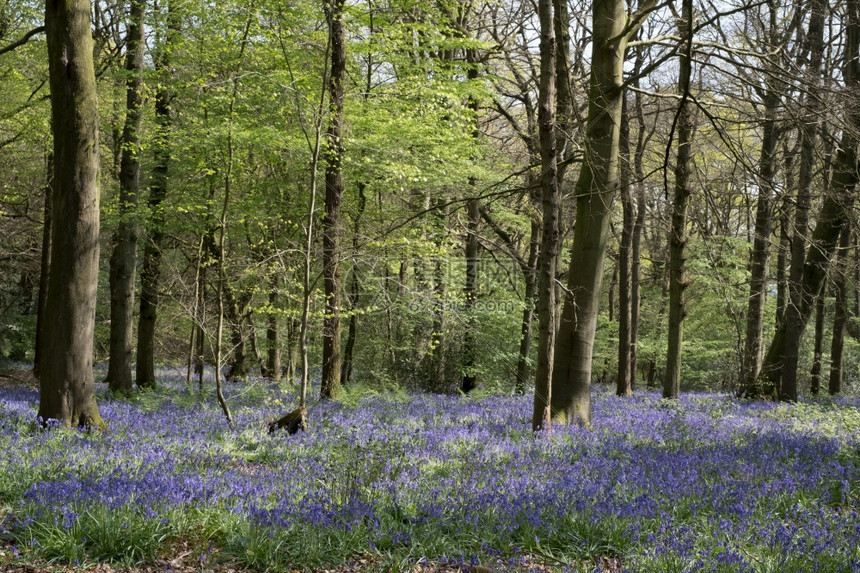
[387,480]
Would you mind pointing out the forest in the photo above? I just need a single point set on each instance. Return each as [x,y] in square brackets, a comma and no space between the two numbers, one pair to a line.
[436,285]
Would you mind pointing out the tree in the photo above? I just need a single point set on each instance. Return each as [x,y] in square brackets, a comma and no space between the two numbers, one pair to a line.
[66,369]
[333,196]
[595,192]
[761,246]
[124,258]
[840,318]
[779,369]
[152,254]
[678,235]
[551,210]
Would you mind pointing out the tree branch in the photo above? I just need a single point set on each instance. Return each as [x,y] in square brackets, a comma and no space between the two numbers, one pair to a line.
[24,39]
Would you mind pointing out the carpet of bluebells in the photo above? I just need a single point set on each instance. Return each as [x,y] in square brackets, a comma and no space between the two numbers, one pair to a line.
[706,483]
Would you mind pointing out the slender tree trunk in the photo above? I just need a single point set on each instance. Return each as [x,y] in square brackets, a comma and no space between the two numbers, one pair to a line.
[678,235]
[200,321]
[151,269]
[66,368]
[273,342]
[639,224]
[782,260]
[623,385]
[45,266]
[840,317]
[806,277]
[551,210]
[595,192]
[346,369]
[471,251]
[222,279]
[530,277]
[815,373]
[781,357]
[333,197]
[123,261]
[761,245]
[470,295]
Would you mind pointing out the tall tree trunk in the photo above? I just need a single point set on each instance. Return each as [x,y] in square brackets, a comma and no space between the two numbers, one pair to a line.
[623,385]
[551,210]
[273,342]
[639,224]
[789,153]
[595,193]
[815,372]
[123,261]
[530,278]
[333,197]
[470,295]
[781,359]
[761,245]
[472,250]
[840,317]
[45,266]
[806,277]
[678,235]
[346,369]
[66,366]
[151,269]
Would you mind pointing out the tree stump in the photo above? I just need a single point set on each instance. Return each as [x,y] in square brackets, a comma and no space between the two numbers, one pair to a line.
[293,422]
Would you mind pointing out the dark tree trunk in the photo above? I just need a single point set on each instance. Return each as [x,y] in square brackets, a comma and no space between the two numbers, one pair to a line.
[551,211]
[151,269]
[237,310]
[840,317]
[123,261]
[815,372]
[761,245]
[45,267]
[636,242]
[333,196]
[530,278]
[66,368]
[471,251]
[678,235]
[346,369]
[782,259]
[623,385]
[273,342]
[470,295]
[806,277]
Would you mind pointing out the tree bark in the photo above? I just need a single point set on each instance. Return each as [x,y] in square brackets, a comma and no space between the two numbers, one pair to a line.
[636,240]
[470,296]
[354,285]
[273,342]
[151,269]
[817,356]
[66,368]
[678,234]
[808,269]
[333,196]
[840,317]
[761,245]
[595,191]
[45,267]
[123,261]
[550,231]
[623,385]
[530,279]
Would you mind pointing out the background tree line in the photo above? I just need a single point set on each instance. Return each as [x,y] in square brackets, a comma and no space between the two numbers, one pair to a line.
[438,194]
